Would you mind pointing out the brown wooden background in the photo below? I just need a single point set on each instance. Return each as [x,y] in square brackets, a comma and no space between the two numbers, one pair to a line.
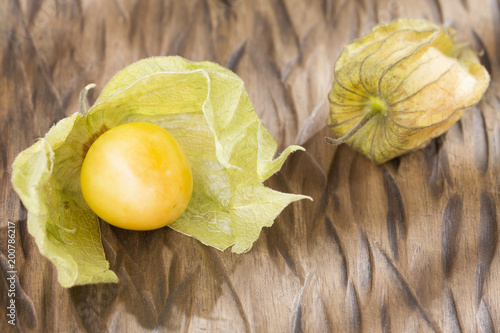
[408,246]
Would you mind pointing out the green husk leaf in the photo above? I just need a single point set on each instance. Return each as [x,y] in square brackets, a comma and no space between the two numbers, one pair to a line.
[65,229]
[206,108]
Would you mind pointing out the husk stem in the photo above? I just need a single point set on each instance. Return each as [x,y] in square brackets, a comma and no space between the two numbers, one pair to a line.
[83,96]
[375,105]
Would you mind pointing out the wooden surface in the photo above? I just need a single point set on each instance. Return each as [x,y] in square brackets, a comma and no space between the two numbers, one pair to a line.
[408,246]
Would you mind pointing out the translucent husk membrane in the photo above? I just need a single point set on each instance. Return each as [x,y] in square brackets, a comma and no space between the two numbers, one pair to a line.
[206,108]
[401,85]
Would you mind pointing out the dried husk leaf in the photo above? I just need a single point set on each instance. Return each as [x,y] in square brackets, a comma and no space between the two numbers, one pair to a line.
[401,85]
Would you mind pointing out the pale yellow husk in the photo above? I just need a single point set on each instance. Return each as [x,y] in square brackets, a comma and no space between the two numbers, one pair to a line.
[414,75]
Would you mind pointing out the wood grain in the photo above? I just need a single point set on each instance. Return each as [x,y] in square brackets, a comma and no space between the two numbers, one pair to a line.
[408,246]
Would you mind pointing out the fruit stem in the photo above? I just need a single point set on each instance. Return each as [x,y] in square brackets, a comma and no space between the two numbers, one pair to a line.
[375,105]
[83,96]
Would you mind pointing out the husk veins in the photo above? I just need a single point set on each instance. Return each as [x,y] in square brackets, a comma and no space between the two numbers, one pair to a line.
[401,85]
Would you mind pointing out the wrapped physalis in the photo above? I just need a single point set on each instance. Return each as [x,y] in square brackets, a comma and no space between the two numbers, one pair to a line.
[401,85]
[206,109]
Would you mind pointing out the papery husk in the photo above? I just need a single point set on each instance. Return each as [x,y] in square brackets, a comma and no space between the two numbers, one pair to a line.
[401,85]
[206,108]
